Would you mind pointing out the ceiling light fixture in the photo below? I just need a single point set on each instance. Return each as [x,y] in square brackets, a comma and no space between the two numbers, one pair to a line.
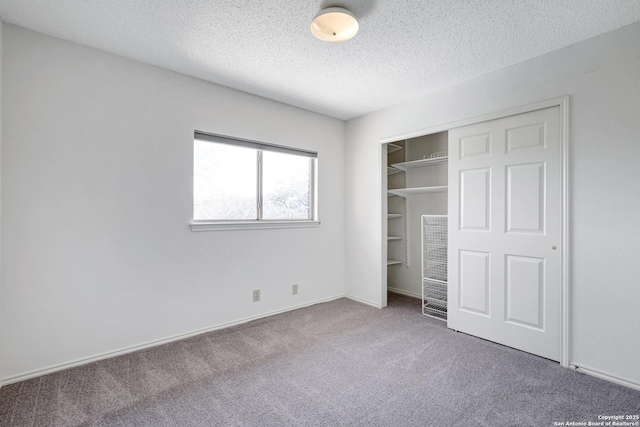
[334,24]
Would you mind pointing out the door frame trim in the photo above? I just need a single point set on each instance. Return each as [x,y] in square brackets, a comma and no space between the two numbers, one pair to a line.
[563,103]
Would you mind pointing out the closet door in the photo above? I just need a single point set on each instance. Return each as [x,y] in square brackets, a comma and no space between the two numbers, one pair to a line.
[505,230]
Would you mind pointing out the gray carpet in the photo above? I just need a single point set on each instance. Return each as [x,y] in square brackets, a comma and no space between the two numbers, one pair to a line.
[335,364]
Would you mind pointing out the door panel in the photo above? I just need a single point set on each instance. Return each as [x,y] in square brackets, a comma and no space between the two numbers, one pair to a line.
[530,136]
[505,213]
[475,199]
[474,282]
[475,146]
[525,291]
[525,198]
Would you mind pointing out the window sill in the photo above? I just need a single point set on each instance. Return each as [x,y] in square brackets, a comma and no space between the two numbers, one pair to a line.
[249,225]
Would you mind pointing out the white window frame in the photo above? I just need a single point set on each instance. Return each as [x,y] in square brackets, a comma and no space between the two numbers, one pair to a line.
[215,225]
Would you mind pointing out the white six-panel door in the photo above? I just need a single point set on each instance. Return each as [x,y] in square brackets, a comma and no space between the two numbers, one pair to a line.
[505,230]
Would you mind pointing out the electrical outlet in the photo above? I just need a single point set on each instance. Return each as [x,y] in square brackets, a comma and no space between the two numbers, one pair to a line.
[256,295]
[294,290]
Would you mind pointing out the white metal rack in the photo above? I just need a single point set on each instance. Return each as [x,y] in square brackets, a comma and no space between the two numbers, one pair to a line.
[434,266]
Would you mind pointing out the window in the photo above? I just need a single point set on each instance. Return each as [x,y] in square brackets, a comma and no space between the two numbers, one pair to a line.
[248,184]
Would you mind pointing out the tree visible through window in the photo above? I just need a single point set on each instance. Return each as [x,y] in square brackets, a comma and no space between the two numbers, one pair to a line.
[239,180]
[287,186]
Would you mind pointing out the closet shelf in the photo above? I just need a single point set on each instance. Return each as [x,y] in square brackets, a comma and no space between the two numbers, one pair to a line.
[393,171]
[392,216]
[391,148]
[404,192]
[393,262]
[420,163]
[395,237]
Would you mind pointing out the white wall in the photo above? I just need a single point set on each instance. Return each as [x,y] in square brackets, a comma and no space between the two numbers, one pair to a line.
[97,197]
[602,76]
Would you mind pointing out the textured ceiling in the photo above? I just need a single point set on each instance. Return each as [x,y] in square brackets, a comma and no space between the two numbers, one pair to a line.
[405,48]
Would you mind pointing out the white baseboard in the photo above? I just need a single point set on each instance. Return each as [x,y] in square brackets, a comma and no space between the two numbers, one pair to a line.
[606,376]
[131,349]
[363,301]
[403,292]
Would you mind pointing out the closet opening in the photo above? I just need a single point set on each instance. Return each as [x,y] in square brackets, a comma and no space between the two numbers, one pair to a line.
[415,188]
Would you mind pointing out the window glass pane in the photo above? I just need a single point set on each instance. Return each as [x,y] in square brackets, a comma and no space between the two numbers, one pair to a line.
[286,186]
[224,182]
